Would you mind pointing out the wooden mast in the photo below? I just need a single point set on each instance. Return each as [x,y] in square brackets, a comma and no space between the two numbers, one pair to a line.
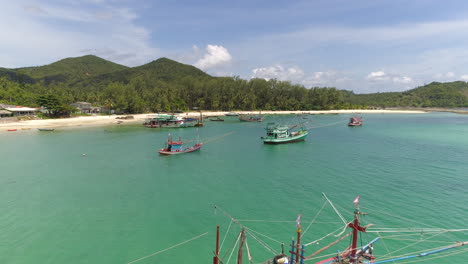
[216,258]
[356,229]
[241,246]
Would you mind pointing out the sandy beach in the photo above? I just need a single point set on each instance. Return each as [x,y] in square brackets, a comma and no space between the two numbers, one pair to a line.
[100,120]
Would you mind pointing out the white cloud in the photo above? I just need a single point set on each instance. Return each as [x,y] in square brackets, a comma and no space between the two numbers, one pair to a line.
[215,56]
[381,76]
[377,76]
[464,77]
[279,72]
[45,32]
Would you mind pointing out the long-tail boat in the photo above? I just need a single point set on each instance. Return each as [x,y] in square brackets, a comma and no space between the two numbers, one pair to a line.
[176,147]
[358,251]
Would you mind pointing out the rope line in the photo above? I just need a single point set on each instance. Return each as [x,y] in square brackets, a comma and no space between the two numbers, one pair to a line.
[313,220]
[171,247]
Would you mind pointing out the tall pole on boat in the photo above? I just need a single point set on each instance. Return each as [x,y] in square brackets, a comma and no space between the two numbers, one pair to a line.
[355,236]
[241,246]
[356,229]
[215,258]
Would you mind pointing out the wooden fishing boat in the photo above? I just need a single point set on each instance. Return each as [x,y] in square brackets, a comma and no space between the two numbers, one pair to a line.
[169,121]
[46,129]
[216,119]
[247,118]
[176,147]
[355,121]
[281,134]
[358,251]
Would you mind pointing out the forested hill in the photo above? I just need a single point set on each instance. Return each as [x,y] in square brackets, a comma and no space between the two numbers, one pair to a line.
[71,69]
[167,85]
[435,94]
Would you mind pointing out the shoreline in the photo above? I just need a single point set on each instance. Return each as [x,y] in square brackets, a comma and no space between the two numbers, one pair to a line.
[90,121]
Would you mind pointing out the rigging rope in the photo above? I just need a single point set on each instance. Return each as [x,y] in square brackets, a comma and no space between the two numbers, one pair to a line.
[336,210]
[313,220]
[233,248]
[225,236]
[171,247]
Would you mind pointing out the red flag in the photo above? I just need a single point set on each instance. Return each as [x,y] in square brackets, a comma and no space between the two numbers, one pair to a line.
[298,221]
[356,201]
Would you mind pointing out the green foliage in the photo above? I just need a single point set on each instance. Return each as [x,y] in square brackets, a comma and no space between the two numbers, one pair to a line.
[166,85]
[54,106]
[452,94]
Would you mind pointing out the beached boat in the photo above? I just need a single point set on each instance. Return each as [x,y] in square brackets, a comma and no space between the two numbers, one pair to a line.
[176,147]
[46,129]
[281,134]
[232,114]
[355,121]
[358,250]
[169,121]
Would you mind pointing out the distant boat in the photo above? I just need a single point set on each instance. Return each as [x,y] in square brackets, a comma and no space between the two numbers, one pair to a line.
[169,121]
[281,134]
[251,118]
[176,147]
[355,121]
[46,129]
[11,129]
[232,114]
[216,119]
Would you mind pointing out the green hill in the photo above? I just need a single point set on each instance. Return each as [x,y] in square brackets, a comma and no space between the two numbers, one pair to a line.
[167,85]
[71,69]
[435,94]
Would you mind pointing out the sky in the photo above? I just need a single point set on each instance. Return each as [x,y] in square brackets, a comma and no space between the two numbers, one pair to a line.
[364,46]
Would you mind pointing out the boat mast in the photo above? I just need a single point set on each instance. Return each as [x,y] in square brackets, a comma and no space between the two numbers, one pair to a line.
[356,229]
[216,258]
[241,246]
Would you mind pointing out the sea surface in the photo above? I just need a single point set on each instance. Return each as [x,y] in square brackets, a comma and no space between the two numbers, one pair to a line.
[105,195]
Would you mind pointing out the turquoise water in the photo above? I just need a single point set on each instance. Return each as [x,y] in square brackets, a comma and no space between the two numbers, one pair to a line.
[123,201]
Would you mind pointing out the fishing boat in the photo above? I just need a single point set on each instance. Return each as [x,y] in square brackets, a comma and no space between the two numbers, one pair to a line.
[251,118]
[358,250]
[176,147]
[11,130]
[281,134]
[216,119]
[232,114]
[46,129]
[169,121]
[355,121]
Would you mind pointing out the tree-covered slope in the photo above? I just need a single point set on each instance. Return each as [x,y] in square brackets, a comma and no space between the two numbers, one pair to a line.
[71,69]
[435,94]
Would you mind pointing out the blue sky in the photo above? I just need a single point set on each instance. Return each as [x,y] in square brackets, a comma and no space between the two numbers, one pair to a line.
[365,46]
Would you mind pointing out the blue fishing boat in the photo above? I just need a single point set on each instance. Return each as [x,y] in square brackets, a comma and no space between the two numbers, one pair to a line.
[46,129]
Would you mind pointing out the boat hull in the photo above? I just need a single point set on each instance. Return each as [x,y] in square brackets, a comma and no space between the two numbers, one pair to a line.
[250,119]
[186,150]
[291,139]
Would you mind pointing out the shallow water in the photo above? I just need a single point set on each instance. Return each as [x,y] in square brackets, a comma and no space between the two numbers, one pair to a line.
[123,201]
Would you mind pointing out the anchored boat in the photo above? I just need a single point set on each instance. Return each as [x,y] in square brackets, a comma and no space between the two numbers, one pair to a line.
[176,147]
[355,121]
[169,121]
[360,249]
[281,134]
